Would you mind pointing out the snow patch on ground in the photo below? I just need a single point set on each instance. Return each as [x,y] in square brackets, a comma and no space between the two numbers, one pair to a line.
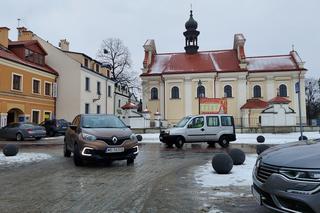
[21,158]
[249,138]
[240,175]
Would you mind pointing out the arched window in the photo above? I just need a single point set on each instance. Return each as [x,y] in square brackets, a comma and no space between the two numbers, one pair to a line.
[227,91]
[154,93]
[201,92]
[283,90]
[174,92]
[257,91]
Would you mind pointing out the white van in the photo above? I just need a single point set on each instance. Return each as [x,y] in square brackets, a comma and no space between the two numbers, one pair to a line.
[210,128]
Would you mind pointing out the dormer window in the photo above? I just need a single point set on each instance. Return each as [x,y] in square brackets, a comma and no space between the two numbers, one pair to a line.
[33,57]
[86,62]
[97,68]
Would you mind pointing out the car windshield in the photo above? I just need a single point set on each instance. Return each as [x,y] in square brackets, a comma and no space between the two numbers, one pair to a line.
[102,121]
[183,122]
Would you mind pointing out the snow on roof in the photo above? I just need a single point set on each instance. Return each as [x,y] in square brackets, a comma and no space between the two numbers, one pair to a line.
[160,63]
[284,62]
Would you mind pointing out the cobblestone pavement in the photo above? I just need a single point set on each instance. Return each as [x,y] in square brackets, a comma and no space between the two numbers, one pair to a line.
[161,180]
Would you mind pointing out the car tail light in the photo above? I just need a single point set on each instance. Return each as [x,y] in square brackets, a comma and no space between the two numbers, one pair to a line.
[29,130]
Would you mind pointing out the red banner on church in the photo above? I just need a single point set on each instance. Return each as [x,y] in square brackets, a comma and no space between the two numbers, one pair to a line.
[213,106]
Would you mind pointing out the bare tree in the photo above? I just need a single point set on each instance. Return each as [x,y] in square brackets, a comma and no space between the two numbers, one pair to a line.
[312,89]
[114,53]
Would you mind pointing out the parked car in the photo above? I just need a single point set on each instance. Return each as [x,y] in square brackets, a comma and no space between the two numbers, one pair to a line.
[21,131]
[210,128]
[100,137]
[286,178]
[55,126]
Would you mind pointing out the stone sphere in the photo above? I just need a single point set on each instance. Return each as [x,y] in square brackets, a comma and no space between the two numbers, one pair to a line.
[260,139]
[10,150]
[139,137]
[222,163]
[261,148]
[303,138]
[238,156]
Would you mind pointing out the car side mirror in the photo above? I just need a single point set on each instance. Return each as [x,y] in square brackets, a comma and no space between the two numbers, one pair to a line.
[129,126]
[174,125]
[73,127]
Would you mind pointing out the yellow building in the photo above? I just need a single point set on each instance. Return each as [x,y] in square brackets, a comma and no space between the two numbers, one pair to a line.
[174,83]
[27,84]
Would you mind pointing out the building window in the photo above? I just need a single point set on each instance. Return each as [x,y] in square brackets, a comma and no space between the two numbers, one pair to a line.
[87,109]
[154,93]
[36,116]
[175,93]
[17,82]
[283,90]
[86,62]
[87,84]
[119,103]
[108,73]
[33,57]
[47,88]
[35,86]
[98,109]
[257,91]
[109,91]
[227,91]
[98,88]
[201,92]
[97,67]
[47,116]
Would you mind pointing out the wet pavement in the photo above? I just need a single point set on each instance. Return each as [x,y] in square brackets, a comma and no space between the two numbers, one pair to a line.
[161,180]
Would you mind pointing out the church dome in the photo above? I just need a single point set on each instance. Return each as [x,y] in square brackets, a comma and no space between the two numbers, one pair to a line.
[191,24]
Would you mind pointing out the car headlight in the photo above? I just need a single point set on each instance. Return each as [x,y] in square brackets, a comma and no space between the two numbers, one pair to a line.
[167,132]
[133,137]
[88,137]
[305,175]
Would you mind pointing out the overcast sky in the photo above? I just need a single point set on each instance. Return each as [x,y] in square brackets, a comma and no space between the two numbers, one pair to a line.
[270,26]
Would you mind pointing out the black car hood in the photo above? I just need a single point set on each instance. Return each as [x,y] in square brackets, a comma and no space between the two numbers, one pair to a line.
[108,132]
[302,154]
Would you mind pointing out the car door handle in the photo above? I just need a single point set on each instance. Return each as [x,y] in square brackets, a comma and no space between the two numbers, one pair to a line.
[202,129]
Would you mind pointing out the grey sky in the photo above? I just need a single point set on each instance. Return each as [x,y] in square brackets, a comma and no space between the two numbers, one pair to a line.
[270,26]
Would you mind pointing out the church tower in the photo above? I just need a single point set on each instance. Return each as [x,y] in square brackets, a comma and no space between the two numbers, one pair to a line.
[191,35]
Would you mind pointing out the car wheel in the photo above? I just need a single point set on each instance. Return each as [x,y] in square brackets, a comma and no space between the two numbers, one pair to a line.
[179,142]
[130,161]
[169,144]
[66,151]
[38,138]
[76,156]
[51,133]
[19,137]
[224,142]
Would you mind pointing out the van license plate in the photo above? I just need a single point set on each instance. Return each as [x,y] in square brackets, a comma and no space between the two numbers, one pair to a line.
[256,195]
[114,150]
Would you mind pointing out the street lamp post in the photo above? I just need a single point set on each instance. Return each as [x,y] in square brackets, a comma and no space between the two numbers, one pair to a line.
[199,93]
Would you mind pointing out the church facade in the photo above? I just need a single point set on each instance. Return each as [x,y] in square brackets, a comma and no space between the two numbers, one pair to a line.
[174,84]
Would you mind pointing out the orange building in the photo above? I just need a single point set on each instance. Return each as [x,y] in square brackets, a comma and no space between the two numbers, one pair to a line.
[27,84]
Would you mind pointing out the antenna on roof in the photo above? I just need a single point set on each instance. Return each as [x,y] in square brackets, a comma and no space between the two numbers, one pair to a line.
[293,47]
[190,6]
[19,22]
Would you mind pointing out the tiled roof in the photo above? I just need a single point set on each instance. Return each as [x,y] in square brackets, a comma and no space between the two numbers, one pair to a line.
[27,43]
[217,61]
[9,55]
[129,105]
[279,100]
[255,103]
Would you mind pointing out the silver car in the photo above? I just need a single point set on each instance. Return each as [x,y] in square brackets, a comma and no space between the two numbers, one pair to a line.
[286,178]
[21,131]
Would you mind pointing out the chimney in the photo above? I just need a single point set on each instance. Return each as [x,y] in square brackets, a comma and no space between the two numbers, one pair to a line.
[64,44]
[238,45]
[24,34]
[4,39]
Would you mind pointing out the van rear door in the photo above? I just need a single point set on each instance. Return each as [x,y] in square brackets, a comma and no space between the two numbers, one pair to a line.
[213,128]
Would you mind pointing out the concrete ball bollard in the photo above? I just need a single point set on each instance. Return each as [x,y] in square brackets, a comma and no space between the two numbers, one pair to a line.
[238,156]
[303,138]
[260,139]
[139,137]
[261,148]
[222,163]
[10,150]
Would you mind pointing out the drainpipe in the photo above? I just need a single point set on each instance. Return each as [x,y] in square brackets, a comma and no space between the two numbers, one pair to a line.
[55,99]
[164,98]
[299,100]
[215,86]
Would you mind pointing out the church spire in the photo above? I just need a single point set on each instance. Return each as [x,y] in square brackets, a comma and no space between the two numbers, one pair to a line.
[191,35]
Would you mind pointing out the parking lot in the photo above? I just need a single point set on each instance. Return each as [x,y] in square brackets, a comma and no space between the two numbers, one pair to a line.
[161,180]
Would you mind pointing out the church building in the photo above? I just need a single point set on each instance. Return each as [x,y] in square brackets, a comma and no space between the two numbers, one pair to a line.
[183,83]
